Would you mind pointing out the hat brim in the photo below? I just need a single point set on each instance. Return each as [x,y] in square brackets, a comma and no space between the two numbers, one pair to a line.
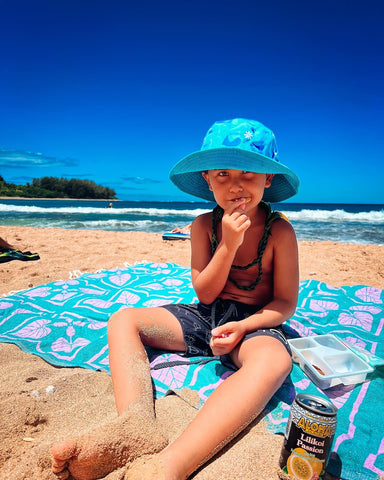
[186,174]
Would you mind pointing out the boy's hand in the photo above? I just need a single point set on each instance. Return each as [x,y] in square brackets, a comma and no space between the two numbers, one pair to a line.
[226,337]
[234,224]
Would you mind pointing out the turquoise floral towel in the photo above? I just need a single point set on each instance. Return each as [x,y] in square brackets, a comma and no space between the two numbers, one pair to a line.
[65,323]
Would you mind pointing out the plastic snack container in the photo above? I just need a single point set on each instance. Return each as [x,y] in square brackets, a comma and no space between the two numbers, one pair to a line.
[327,361]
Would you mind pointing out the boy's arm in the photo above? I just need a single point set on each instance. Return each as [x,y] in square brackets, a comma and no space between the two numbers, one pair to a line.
[210,273]
[285,292]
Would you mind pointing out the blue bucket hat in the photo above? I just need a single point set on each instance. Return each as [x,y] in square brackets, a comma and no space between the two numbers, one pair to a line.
[237,144]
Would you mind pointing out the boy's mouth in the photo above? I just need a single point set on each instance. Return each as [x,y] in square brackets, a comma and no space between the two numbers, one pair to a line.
[241,200]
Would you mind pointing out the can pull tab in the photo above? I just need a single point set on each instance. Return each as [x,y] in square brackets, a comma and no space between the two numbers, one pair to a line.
[320,406]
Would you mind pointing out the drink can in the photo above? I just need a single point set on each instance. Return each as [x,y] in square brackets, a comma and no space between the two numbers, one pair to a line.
[308,437]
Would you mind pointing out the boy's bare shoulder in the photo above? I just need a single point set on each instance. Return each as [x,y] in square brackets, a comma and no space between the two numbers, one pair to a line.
[201,234]
[281,228]
[203,221]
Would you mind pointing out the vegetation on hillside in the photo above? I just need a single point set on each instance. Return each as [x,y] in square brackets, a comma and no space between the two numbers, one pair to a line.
[53,187]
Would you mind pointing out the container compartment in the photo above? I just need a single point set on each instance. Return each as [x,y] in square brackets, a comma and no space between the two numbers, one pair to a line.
[330,341]
[301,343]
[349,366]
[317,364]
[345,363]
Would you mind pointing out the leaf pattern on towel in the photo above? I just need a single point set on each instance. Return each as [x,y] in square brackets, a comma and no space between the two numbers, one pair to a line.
[91,291]
[67,346]
[65,323]
[63,296]
[4,305]
[369,294]
[36,329]
[38,292]
[322,306]
[360,319]
[173,377]
[120,279]
[128,298]
[172,282]
[155,286]
[99,303]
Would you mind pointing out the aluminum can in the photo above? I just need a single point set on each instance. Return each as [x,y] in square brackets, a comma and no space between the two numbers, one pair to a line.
[308,437]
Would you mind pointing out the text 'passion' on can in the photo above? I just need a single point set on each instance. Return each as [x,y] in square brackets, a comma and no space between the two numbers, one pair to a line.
[308,437]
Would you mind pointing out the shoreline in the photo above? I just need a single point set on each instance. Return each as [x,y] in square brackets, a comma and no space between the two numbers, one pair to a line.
[63,251]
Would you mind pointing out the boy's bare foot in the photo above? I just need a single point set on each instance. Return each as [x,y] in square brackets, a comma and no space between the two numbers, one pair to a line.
[108,448]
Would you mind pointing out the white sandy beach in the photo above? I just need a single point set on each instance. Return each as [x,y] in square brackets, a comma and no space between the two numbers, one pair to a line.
[83,399]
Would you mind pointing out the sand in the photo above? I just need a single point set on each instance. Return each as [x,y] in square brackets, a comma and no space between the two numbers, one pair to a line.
[40,404]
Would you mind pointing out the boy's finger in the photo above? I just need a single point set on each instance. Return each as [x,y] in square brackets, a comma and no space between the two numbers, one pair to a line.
[239,203]
[234,205]
[216,333]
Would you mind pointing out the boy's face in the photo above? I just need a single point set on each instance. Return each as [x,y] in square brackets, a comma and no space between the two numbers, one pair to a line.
[231,187]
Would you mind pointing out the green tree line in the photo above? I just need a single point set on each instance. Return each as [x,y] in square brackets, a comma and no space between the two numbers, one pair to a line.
[53,187]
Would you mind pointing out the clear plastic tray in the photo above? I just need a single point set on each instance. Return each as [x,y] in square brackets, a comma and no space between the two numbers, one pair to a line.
[327,361]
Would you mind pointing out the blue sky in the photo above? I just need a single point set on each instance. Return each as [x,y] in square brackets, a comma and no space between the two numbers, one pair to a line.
[117,92]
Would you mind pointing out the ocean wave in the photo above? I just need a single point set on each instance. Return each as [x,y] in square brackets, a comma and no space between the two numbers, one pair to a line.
[304,215]
[335,216]
[337,224]
[349,232]
[28,209]
[110,225]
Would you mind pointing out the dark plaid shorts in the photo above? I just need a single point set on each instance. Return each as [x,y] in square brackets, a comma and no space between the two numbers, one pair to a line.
[198,319]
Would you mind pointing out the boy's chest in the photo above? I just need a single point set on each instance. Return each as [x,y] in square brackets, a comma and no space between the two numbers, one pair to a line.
[249,251]
[245,284]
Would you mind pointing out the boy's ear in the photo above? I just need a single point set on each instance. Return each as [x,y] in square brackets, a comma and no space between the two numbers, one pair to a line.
[206,177]
[268,180]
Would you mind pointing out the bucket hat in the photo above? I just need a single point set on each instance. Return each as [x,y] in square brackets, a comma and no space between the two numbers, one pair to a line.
[238,144]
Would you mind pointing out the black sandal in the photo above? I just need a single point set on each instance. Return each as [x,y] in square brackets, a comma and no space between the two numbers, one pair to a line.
[14,254]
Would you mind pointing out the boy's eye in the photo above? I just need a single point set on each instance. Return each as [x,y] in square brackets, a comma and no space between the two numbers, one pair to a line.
[222,173]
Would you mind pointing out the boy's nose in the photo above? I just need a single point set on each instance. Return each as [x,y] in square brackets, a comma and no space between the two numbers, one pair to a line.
[236,186]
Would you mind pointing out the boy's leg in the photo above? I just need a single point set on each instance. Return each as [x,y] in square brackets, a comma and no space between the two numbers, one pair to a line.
[129,365]
[264,364]
[135,431]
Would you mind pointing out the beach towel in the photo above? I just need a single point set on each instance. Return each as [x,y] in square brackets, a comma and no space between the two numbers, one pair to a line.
[64,322]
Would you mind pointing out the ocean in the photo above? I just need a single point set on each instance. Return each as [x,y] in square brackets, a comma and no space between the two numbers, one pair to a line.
[342,223]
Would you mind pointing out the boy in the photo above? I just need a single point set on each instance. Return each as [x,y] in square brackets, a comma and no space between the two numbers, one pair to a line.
[245,273]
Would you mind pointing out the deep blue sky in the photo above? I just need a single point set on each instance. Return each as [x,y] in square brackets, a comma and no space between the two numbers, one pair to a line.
[117,92]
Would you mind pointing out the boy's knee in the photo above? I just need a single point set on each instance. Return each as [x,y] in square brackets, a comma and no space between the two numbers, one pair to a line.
[278,364]
[286,366]
[282,362]
[113,319]
[280,368]
[111,325]
[117,321]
